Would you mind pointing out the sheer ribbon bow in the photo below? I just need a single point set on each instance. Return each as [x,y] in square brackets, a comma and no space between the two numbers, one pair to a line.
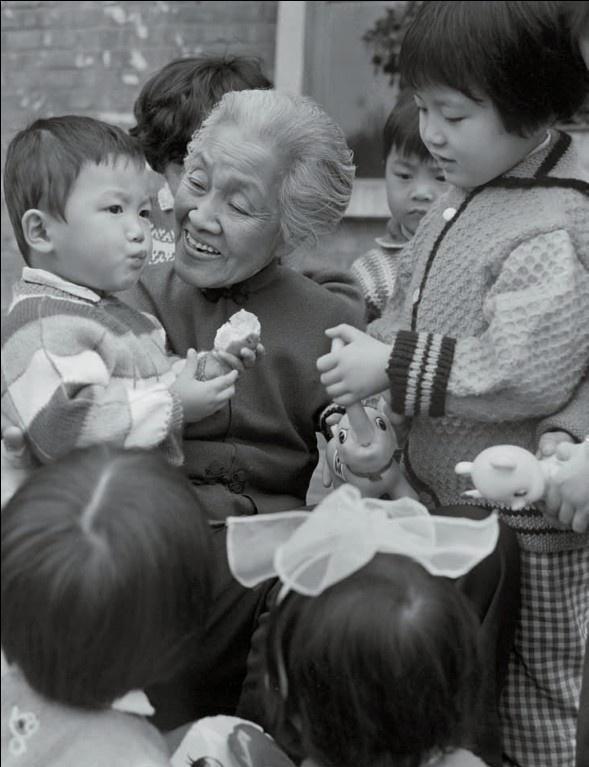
[310,551]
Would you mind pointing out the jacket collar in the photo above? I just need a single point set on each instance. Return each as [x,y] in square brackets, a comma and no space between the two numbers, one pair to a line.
[48,279]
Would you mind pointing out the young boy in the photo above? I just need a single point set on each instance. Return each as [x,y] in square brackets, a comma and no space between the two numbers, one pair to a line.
[78,365]
[413,181]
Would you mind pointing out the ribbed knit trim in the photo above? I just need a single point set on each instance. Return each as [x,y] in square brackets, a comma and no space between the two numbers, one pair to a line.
[534,532]
[418,370]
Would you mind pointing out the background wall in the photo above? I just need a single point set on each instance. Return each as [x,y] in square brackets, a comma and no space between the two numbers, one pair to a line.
[91,58]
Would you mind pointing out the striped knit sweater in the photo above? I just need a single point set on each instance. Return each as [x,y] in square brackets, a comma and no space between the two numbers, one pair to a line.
[80,369]
[376,270]
[489,324]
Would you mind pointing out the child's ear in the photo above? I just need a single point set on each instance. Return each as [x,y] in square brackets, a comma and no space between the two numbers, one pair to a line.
[35,226]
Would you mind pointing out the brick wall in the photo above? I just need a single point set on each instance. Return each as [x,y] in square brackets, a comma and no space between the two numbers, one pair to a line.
[91,58]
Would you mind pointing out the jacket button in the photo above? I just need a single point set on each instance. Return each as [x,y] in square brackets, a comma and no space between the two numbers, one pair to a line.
[449,214]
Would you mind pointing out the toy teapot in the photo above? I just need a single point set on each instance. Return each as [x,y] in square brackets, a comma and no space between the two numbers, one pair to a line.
[515,478]
[362,453]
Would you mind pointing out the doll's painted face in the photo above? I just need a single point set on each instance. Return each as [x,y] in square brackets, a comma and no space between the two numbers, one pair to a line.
[226,209]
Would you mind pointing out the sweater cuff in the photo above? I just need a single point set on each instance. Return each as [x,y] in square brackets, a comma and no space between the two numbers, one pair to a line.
[324,428]
[418,370]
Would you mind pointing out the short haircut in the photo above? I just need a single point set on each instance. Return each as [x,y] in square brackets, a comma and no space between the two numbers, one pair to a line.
[44,160]
[319,171]
[174,102]
[401,131]
[519,55]
[381,668]
[105,575]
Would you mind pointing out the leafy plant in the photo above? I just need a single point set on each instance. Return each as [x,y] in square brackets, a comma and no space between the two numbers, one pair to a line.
[386,35]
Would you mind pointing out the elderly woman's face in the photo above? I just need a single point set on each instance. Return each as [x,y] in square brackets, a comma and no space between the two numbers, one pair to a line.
[228,225]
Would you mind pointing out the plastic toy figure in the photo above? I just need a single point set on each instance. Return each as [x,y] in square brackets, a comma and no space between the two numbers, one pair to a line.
[515,478]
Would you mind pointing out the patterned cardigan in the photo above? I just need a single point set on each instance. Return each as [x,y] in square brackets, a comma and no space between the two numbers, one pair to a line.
[80,369]
[489,323]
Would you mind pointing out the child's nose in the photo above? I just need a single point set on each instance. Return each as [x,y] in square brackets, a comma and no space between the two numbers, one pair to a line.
[136,232]
[422,193]
[431,133]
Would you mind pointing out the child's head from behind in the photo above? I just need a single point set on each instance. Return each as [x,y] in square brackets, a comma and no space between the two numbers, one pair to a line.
[174,102]
[413,180]
[78,199]
[105,575]
[380,669]
[490,78]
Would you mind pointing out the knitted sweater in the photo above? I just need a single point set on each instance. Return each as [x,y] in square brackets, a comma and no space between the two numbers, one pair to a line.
[261,449]
[489,323]
[80,369]
[376,270]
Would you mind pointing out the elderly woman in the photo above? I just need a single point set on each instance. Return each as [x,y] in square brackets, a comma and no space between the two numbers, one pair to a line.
[266,172]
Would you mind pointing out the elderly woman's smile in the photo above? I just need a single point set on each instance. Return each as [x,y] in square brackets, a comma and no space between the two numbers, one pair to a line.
[195,244]
[226,209]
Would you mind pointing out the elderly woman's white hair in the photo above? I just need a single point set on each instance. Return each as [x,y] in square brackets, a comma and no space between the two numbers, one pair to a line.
[319,171]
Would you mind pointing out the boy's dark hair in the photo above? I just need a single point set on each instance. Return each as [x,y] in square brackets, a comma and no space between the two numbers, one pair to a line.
[44,160]
[576,17]
[380,669]
[519,55]
[174,102]
[106,562]
[401,131]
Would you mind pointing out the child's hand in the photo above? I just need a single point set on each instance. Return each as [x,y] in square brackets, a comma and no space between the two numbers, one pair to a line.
[355,370]
[549,441]
[566,513]
[202,398]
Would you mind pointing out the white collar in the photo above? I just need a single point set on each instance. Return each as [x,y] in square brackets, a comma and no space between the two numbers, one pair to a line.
[42,277]
[134,702]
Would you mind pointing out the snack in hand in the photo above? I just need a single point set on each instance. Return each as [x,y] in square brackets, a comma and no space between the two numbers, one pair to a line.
[242,330]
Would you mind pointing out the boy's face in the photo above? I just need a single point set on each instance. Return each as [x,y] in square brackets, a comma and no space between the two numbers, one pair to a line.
[105,239]
[412,185]
[467,137]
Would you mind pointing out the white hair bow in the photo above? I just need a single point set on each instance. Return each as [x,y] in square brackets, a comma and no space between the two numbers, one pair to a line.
[310,551]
